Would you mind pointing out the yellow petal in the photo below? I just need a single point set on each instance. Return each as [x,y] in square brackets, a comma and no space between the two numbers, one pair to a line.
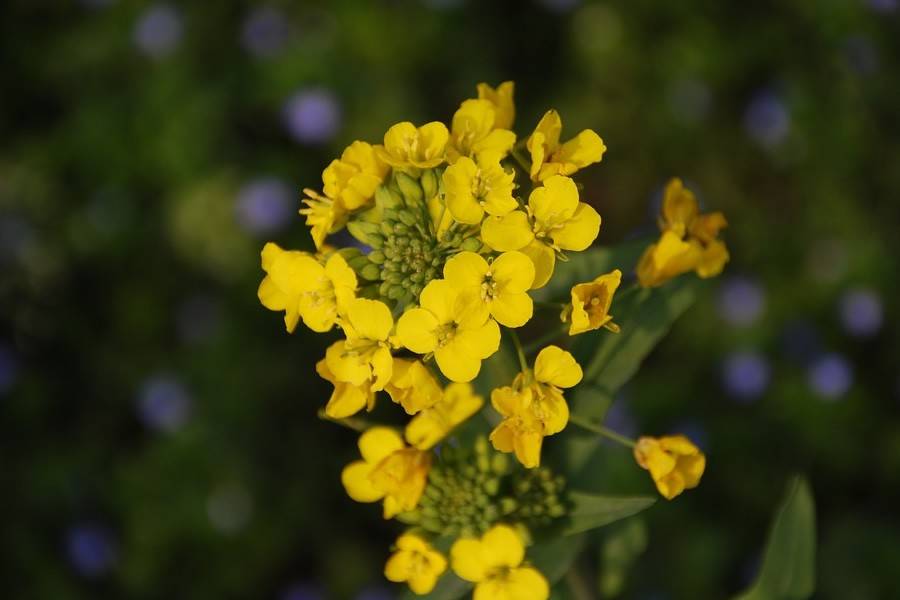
[502,99]
[544,260]
[481,341]
[456,364]
[679,205]
[527,445]
[527,583]
[355,478]
[466,269]
[503,547]
[376,443]
[432,142]
[512,309]
[555,202]
[269,253]
[513,271]
[468,560]
[509,401]
[346,367]
[508,232]
[557,367]
[382,368]
[422,583]
[416,330]
[580,231]
[271,296]
[347,399]
[498,142]
[458,179]
[399,566]
[712,260]
[584,149]
[371,319]
[439,298]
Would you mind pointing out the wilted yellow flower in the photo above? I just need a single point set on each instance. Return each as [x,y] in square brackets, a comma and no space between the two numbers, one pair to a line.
[473,132]
[534,407]
[459,341]
[688,241]
[324,216]
[502,99]
[589,308]
[415,562]
[674,462]
[406,147]
[549,158]
[494,564]
[364,359]
[555,221]
[472,189]
[498,289]
[352,179]
[413,386]
[388,470]
[433,424]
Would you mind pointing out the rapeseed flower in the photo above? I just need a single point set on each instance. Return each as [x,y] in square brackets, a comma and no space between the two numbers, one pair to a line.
[674,462]
[408,147]
[549,158]
[416,563]
[498,289]
[473,132]
[413,386]
[502,99]
[353,178]
[432,424]
[475,188]
[590,302]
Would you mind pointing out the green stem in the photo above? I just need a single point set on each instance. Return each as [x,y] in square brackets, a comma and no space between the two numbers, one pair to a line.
[601,430]
[548,337]
[523,364]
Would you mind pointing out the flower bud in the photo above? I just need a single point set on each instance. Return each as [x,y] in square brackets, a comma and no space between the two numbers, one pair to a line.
[410,188]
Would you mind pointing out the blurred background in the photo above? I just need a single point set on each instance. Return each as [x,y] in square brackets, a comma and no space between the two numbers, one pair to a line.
[159,430]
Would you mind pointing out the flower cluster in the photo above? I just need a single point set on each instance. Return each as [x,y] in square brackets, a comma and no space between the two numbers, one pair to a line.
[455,229]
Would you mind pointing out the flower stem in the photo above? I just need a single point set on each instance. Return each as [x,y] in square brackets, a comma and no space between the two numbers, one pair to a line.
[523,364]
[601,430]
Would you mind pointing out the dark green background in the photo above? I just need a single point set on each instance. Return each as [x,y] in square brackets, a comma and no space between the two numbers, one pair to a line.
[127,132]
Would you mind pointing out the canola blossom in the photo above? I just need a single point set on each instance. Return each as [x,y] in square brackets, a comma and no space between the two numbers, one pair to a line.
[469,235]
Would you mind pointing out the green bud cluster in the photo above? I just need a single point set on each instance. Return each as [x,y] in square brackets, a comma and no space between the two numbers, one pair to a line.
[464,492]
[541,496]
[471,489]
[407,251]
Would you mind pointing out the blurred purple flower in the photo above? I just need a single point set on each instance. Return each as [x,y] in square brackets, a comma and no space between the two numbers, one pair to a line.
[302,591]
[746,375]
[197,318]
[861,312]
[741,301]
[766,119]
[158,30]
[9,368]
[861,55]
[15,236]
[312,116]
[375,593]
[163,404]
[830,376]
[689,100]
[91,549]
[883,6]
[800,341]
[264,205]
[559,6]
[265,32]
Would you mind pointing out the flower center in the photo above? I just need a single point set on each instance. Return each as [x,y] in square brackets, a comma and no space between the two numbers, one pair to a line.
[445,333]
[488,287]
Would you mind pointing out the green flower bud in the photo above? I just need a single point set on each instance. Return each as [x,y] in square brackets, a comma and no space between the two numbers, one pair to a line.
[429,182]
[371,272]
[385,199]
[471,244]
[508,505]
[406,217]
[492,486]
[363,231]
[376,257]
[410,188]
[387,229]
[395,292]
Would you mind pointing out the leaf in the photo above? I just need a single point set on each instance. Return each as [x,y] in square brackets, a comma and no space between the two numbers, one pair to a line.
[586,266]
[788,565]
[594,510]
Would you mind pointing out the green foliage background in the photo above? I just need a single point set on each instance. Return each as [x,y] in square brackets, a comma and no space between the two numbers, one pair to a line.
[123,259]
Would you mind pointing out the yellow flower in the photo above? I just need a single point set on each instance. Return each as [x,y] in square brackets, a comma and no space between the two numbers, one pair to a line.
[689,240]
[433,424]
[534,407]
[323,215]
[473,132]
[502,99]
[406,147]
[549,158]
[388,470]
[459,341]
[364,359]
[413,386]
[302,286]
[415,562]
[473,189]
[347,399]
[590,304]
[498,289]
[555,221]
[352,179]
[674,462]
[494,564]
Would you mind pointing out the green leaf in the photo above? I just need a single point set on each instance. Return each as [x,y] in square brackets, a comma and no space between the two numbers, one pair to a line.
[590,511]
[586,266]
[788,565]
